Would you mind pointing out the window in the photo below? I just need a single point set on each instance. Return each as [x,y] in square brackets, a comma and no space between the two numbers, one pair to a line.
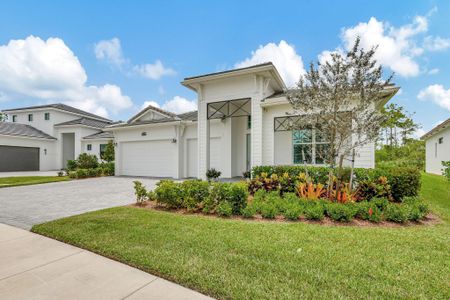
[102,149]
[89,147]
[441,140]
[249,122]
[47,116]
[310,146]
[30,117]
[435,149]
[14,118]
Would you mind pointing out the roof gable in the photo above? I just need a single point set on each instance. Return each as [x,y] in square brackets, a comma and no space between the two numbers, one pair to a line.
[151,113]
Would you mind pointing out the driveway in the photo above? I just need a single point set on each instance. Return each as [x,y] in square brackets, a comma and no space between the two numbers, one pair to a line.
[25,206]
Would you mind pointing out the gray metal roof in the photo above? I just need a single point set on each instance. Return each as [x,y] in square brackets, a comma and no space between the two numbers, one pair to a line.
[85,122]
[100,135]
[17,129]
[60,106]
[189,116]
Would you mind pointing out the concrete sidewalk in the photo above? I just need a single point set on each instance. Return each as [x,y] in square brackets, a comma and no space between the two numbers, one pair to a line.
[36,267]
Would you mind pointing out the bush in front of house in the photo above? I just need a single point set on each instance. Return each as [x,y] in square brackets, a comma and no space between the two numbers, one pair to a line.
[341,212]
[87,161]
[446,169]
[194,192]
[87,165]
[108,168]
[213,174]
[72,165]
[169,193]
[140,191]
[224,209]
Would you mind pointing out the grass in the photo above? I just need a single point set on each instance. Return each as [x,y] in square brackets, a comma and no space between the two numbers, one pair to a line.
[260,260]
[28,180]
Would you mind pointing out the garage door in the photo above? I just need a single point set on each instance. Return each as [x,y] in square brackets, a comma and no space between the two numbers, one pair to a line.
[14,158]
[149,158]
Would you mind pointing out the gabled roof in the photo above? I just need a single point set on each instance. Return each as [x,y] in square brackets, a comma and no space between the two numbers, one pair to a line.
[59,106]
[187,116]
[22,130]
[151,108]
[436,129]
[85,122]
[100,135]
[267,68]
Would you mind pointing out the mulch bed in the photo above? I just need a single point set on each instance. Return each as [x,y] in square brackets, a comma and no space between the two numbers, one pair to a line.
[429,220]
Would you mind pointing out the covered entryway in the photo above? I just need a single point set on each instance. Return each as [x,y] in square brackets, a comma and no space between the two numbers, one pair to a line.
[149,158]
[14,158]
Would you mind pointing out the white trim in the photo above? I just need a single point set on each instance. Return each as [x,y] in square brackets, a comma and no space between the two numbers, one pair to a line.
[10,111]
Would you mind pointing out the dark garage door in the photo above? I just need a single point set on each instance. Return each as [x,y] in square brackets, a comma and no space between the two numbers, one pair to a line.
[14,158]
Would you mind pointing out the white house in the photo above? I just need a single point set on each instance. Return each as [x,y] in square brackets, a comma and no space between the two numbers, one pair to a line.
[437,147]
[45,137]
[241,122]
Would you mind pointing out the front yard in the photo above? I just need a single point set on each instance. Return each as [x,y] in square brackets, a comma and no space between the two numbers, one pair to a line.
[28,180]
[269,260]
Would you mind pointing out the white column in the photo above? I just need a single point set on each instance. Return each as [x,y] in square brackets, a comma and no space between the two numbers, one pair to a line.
[203,136]
[256,131]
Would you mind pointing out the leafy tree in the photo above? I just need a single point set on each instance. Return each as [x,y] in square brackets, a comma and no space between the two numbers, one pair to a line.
[398,125]
[339,98]
[108,153]
[3,117]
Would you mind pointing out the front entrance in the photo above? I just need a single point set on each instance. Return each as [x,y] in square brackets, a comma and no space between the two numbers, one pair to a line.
[68,147]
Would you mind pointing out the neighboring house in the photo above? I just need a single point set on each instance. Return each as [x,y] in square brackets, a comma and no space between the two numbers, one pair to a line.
[242,121]
[437,147]
[45,137]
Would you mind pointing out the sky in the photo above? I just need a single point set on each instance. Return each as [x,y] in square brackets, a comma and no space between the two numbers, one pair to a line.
[115,57]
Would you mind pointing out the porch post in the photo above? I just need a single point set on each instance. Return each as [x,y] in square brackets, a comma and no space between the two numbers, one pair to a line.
[203,136]
[256,131]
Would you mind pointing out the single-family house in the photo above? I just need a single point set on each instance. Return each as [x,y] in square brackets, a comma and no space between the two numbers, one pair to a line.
[437,147]
[243,120]
[44,137]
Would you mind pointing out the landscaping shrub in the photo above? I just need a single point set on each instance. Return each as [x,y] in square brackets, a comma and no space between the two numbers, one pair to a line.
[194,192]
[369,188]
[87,161]
[81,173]
[224,209]
[292,211]
[368,211]
[314,211]
[249,211]
[291,198]
[396,213]
[446,169]
[107,168]
[140,192]
[60,173]
[72,174]
[238,196]
[169,193]
[417,209]
[72,165]
[213,174]
[317,174]
[268,210]
[151,196]
[380,203]
[341,212]
[265,182]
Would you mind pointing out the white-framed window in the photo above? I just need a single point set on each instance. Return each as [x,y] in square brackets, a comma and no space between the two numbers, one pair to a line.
[30,117]
[89,147]
[46,116]
[310,146]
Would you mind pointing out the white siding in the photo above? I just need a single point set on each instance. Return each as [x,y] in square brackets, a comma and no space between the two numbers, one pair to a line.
[435,153]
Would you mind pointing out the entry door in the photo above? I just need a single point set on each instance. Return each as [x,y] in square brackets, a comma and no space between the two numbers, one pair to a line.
[249,151]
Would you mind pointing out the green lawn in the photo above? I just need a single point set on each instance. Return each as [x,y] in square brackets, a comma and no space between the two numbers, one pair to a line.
[27,180]
[261,260]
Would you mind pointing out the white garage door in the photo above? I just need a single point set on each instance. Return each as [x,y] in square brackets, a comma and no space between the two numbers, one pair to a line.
[149,158]
[215,154]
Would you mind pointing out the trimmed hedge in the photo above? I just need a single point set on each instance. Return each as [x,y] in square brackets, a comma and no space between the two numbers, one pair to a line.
[404,182]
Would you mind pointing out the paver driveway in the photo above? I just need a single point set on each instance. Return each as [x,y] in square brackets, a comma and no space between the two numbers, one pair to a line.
[25,206]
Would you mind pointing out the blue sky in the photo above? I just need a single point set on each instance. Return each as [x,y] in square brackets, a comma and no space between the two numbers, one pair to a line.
[111,57]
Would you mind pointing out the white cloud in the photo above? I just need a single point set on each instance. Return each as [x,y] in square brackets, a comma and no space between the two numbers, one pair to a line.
[150,102]
[110,51]
[419,133]
[433,71]
[397,48]
[154,71]
[180,105]
[436,43]
[436,93]
[177,105]
[49,70]
[283,56]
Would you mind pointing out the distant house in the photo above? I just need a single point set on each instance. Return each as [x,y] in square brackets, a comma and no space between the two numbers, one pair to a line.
[437,147]
[41,138]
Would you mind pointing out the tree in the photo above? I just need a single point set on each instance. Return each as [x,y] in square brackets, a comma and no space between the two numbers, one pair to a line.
[398,125]
[108,153]
[2,117]
[339,98]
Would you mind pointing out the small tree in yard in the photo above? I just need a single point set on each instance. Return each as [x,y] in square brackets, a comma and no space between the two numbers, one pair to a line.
[338,98]
[108,153]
